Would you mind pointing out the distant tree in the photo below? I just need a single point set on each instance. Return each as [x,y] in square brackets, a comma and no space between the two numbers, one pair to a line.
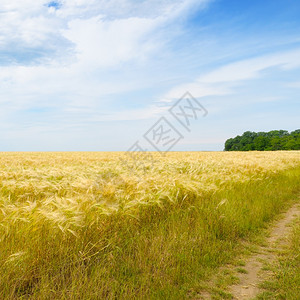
[275,143]
[261,143]
[228,144]
[265,141]
[296,132]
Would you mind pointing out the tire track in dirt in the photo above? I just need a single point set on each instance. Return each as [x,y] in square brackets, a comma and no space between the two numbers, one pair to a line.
[248,286]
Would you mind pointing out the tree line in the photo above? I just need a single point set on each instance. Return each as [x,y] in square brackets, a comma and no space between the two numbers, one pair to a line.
[265,141]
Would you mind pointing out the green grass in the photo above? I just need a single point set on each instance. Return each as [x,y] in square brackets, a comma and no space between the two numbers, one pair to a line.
[285,284]
[241,270]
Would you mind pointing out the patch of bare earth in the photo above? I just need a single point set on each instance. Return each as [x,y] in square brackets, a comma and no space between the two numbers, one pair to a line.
[253,273]
[248,286]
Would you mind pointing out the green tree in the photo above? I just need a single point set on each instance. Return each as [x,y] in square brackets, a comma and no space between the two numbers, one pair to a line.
[265,141]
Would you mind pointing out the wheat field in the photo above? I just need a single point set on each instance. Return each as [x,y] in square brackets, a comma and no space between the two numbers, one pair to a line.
[83,225]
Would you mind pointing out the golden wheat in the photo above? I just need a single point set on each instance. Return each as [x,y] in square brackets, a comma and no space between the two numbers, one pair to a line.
[63,211]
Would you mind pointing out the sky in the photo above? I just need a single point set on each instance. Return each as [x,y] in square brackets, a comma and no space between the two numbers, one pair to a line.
[99,75]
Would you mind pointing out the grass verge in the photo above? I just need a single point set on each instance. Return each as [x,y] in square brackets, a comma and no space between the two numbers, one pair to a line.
[285,284]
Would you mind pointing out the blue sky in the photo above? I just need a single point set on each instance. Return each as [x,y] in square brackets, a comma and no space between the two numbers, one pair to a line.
[95,75]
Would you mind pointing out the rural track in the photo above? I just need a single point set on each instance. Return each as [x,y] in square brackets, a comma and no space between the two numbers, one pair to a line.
[248,286]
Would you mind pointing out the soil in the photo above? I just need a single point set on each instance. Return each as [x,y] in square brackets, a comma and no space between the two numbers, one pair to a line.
[248,286]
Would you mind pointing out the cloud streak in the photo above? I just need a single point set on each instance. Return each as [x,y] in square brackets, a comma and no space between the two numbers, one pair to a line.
[223,80]
[66,64]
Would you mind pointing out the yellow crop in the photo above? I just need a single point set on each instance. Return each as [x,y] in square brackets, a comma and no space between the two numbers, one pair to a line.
[88,215]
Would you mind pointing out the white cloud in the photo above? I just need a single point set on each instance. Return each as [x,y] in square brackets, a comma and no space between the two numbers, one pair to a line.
[251,68]
[40,30]
[91,61]
[50,55]
[197,89]
[25,21]
[295,85]
[107,43]
[116,9]
[223,80]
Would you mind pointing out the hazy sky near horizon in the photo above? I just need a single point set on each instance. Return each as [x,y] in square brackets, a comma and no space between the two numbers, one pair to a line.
[95,75]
